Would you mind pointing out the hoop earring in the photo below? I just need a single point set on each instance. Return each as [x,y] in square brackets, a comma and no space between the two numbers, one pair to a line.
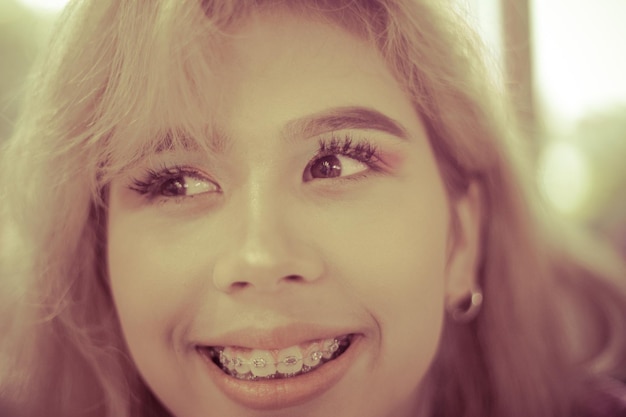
[468,308]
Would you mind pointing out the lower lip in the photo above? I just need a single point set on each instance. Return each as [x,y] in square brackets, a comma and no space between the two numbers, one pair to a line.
[288,392]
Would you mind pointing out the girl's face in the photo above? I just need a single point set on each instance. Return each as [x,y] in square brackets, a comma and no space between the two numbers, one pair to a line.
[309,252]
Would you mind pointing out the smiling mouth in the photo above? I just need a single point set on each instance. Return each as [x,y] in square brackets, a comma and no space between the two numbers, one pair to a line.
[259,365]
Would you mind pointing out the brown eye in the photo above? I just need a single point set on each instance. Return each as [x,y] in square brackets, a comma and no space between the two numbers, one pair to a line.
[186,185]
[333,166]
[173,187]
[326,167]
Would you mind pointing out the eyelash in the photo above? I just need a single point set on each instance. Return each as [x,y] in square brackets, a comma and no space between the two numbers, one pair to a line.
[154,179]
[362,151]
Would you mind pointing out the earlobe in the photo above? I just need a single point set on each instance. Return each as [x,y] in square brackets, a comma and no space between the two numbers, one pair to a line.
[463,292]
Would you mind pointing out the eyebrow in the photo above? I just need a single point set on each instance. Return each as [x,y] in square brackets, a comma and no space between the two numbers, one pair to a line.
[334,119]
[343,118]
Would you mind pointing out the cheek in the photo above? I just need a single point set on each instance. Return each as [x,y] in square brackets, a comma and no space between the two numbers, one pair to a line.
[394,243]
[149,269]
[148,279]
[136,270]
[393,257]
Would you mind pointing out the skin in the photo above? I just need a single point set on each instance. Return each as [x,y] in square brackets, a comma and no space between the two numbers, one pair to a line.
[261,245]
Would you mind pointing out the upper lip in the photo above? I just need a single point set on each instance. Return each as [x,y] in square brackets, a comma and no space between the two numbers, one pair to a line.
[274,338]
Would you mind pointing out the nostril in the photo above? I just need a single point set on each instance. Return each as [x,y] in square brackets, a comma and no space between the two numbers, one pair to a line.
[294,278]
[240,285]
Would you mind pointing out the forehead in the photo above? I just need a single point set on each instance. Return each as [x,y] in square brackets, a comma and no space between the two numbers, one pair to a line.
[269,36]
[269,69]
[279,67]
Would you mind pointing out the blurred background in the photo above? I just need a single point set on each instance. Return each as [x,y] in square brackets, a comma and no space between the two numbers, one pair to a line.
[564,61]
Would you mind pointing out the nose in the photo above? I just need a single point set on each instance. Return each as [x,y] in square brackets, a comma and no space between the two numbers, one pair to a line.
[266,248]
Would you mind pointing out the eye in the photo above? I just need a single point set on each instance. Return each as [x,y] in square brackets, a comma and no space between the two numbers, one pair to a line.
[342,157]
[332,166]
[186,185]
[174,182]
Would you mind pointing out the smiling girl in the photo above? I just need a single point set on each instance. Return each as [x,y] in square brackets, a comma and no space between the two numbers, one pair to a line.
[283,208]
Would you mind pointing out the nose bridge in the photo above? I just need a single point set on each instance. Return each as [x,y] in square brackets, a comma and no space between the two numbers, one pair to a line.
[265,249]
[263,223]
[263,206]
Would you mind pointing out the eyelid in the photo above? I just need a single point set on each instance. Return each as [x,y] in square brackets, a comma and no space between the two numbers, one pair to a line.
[347,144]
[153,179]
[360,149]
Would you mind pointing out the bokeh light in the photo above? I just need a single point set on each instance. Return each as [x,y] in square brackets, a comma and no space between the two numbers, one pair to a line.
[565,176]
[579,63]
[47,6]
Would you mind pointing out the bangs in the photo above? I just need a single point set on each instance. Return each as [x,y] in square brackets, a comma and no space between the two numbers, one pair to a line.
[160,87]
[159,92]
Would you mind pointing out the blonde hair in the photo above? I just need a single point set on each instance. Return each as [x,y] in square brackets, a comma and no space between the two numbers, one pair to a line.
[122,78]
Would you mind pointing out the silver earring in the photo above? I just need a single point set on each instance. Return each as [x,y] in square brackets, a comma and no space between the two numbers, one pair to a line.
[468,308]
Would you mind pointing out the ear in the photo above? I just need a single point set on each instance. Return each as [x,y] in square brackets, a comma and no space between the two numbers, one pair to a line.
[465,246]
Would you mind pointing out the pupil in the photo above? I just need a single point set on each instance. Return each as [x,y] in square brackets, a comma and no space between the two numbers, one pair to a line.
[326,167]
[173,187]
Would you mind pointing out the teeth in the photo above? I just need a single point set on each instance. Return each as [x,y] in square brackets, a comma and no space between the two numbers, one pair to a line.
[264,364]
[329,347]
[313,355]
[225,360]
[289,361]
[241,366]
[235,362]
